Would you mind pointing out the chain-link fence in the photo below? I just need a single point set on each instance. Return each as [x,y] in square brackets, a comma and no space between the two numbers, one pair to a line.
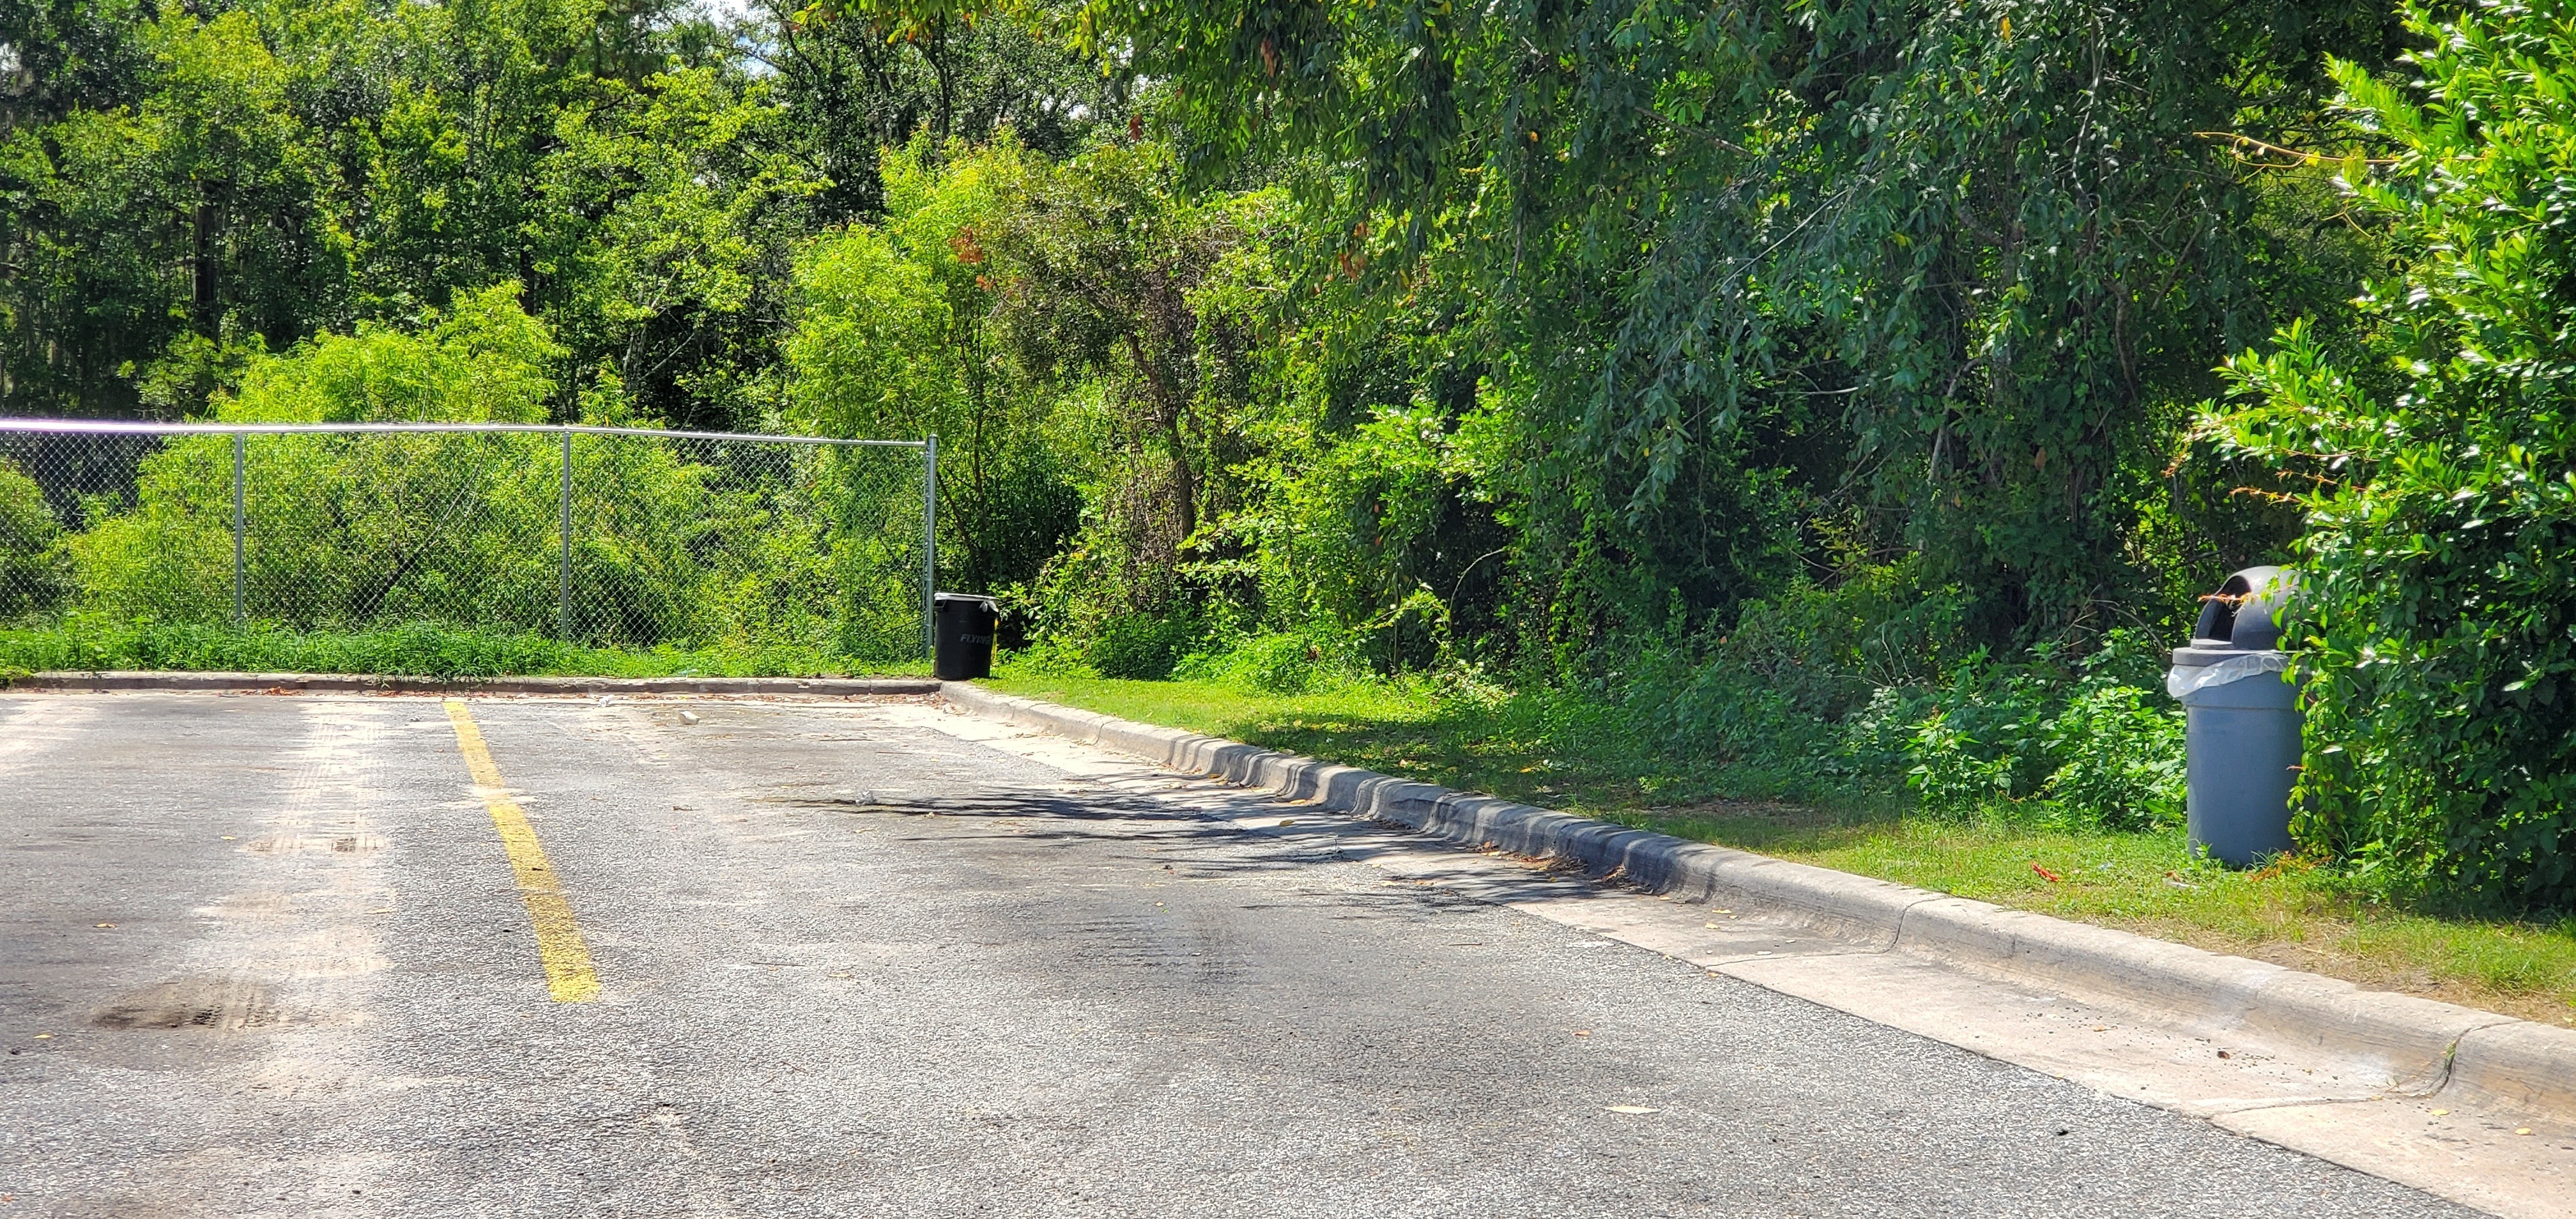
[609,537]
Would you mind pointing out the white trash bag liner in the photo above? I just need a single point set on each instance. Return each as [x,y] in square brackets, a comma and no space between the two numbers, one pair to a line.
[2183,679]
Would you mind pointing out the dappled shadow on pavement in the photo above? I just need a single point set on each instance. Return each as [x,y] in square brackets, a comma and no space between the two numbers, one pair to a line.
[1208,832]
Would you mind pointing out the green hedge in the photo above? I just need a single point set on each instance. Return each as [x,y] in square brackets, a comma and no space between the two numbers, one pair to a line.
[2438,613]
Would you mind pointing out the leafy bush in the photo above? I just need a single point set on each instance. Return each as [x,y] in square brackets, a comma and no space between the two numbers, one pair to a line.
[1728,715]
[2101,751]
[868,349]
[1817,686]
[811,549]
[1049,655]
[1827,647]
[347,529]
[31,577]
[1981,745]
[1319,656]
[1142,647]
[2122,757]
[1953,770]
[2438,605]
[1809,697]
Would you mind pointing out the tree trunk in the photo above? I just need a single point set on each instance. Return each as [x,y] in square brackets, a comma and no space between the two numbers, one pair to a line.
[1167,415]
[202,302]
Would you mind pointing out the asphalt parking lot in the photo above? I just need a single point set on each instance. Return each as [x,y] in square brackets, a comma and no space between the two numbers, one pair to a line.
[288,956]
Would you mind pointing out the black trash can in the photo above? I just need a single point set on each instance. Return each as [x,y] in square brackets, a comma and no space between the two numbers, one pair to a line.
[962,627]
[2241,720]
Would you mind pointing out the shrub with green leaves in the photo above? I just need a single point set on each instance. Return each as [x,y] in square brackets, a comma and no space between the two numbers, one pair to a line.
[1140,646]
[2093,749]
[2438,608]
[1318,656]
[1954,770]
[345,529]
[1982,744]
[2120,751]
[30,567]
[809,548]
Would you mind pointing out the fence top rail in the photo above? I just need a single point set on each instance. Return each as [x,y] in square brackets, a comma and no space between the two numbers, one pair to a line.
[122,427]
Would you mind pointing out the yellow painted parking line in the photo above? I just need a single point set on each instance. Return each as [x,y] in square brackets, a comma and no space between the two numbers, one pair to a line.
[559,943]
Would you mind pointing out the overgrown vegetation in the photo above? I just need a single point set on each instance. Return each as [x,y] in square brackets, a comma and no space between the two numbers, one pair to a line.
[807,550]
[1839,400]
[2438,488]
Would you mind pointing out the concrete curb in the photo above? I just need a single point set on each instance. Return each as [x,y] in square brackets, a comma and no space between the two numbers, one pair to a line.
[2418,1045]
[325,683]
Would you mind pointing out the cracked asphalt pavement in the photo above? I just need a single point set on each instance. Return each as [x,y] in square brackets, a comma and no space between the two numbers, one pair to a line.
[269,956]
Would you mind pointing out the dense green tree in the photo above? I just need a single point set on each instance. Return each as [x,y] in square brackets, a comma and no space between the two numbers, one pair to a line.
[864,77]
[2438,640]
[1044,319]
[266,171]
[1102,263]
[183,211]
[1955,269]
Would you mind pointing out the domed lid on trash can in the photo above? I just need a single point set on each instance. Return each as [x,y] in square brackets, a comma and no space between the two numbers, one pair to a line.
[2242,616]
[2239,632]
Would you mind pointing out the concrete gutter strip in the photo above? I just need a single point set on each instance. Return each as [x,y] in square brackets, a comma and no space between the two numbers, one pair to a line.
[2420,1045]
[320,683]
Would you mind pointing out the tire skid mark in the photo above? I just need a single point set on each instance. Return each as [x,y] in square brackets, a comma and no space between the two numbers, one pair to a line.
[279,950]
[258,1009]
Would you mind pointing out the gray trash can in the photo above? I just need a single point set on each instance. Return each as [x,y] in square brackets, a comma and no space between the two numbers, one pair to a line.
[2240,720]
[962,627]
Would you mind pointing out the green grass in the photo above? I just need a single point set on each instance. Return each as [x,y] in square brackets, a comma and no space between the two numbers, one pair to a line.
[1561,751]
[416,650]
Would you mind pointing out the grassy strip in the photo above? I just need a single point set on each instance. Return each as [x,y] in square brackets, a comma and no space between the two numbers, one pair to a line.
[414,650]
[1562,752]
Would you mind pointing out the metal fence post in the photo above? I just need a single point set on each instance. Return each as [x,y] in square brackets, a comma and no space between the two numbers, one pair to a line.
[239,442]
[563,560]
[930,546]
